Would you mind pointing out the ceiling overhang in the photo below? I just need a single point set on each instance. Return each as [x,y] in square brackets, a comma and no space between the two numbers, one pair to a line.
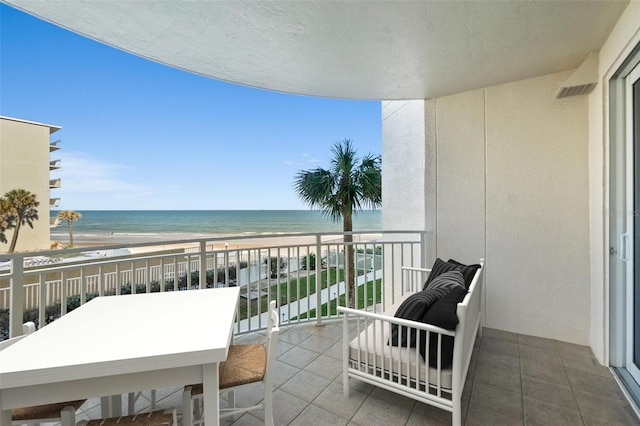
[357,50]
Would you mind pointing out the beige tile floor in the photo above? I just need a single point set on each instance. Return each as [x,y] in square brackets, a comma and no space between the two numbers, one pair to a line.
[513,380]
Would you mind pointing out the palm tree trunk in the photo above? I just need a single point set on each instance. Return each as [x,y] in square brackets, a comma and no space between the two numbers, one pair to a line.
[70,234]
[348,261]
[14,238]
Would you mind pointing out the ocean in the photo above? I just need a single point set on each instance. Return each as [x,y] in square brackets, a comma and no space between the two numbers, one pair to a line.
[98,225]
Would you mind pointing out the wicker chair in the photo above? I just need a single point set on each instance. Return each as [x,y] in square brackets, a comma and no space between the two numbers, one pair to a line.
[63,412]
[245,364]
[153,418]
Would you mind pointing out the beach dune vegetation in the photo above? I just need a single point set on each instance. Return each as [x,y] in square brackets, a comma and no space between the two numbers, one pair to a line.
[276,265]
[70,216]
[309,262]
[349,185]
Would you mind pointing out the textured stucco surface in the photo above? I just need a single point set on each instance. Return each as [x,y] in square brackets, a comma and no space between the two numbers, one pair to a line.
[366,50]
[404,158]
[461,176]
[404,181]
[537,210]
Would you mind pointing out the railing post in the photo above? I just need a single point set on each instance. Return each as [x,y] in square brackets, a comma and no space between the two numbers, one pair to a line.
[17,296]
[203,265]
[318,279]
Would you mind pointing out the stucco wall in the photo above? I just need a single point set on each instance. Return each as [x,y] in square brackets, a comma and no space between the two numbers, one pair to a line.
[461,176]
[511,184]
[404,181]
[537,210]
[408,174]
[24,164]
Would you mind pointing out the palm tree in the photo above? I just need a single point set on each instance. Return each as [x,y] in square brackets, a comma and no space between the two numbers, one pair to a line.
[69,216]
[7,216]
[350,184]
[24,206]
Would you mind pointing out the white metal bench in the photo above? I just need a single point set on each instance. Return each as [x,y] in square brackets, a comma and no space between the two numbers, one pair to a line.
[368,357]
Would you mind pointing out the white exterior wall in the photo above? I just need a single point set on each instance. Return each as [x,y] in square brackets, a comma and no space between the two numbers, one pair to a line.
[403,131]
[460,134]
[624,37]
[511,185]
[406,187]
[537,273]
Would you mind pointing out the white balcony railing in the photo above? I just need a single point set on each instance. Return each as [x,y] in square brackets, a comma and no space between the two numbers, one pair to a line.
[45,285]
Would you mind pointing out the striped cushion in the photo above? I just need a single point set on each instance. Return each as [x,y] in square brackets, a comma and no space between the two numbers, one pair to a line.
[446,282]
[468,271]
[414,307]
[438,268]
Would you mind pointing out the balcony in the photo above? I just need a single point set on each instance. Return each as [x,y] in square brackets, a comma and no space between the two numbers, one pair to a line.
[55,164]
[55,183]
[54,202]
[512,379]
[55,145]
[54,222]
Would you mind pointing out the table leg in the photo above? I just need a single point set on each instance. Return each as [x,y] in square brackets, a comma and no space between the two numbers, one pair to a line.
[211,395]
[5,418]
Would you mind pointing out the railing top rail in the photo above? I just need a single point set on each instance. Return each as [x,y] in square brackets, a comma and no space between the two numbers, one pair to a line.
[220,239]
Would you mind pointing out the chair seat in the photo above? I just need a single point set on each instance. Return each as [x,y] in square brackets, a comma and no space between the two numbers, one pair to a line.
[153,418]
[47,411]
[245,364]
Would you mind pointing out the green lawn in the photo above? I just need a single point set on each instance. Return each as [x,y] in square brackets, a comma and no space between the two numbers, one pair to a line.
[295,288]
[342,300]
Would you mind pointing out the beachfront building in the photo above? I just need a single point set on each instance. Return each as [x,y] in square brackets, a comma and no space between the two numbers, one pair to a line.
[26,163]
[509,132]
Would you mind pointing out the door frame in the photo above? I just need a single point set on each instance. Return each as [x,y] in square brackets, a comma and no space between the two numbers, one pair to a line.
[627,243]
[618,211]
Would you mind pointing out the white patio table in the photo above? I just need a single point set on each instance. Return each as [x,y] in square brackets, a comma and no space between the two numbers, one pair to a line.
[119,344]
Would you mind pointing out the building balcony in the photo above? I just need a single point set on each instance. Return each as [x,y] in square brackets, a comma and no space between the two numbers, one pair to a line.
[55,164]
[55,145]
[54,222]
[512,378]
[55,183]
[54,202]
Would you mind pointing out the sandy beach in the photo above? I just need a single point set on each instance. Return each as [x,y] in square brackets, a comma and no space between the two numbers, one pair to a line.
[153,243]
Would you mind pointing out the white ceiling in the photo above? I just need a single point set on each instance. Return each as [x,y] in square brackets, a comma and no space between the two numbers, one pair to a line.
[359,50]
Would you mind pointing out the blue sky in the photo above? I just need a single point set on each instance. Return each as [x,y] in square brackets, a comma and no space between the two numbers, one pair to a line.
[141,135]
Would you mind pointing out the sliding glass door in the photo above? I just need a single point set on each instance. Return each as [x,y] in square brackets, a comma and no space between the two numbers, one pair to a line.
[630,240]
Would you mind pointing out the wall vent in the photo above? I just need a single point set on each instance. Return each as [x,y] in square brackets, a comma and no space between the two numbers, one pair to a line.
[583,80]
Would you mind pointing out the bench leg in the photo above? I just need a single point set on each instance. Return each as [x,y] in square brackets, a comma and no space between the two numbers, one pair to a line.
[345,385]
[456,414]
